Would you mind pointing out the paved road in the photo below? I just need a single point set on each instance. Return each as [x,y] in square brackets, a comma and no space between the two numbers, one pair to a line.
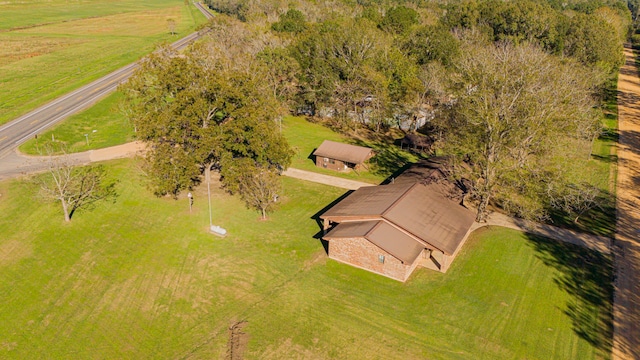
[27,126]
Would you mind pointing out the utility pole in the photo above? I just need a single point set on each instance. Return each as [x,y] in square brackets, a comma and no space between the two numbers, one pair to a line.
[208,175]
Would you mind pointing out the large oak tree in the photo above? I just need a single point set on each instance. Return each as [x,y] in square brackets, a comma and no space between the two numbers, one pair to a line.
[517,107]
[197,111]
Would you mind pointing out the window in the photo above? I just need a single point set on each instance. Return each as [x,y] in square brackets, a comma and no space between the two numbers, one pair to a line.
[381,259]
[332,161]
[326,159]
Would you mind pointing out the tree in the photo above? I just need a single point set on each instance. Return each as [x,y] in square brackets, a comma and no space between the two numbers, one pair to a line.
[292,21]
[432,43]
[593,41]
[75,187]
[259,187]
[197,112]
[334,58]
[576,199]
[171,24]
[281,70]
[516,108]
[399,19]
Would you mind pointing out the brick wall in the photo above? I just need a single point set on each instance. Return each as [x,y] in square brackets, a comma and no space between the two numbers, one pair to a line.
[329,163]
[361,253]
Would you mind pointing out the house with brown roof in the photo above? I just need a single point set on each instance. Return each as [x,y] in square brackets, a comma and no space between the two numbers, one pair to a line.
[339,156]
[392,229]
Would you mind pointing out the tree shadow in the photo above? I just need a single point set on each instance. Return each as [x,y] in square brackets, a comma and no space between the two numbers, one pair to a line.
[587,276]
[600,220]
[389,159]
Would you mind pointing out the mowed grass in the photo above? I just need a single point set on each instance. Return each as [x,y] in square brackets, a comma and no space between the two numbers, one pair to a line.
[104,124]
[305,137]
[141,278]
[55,47]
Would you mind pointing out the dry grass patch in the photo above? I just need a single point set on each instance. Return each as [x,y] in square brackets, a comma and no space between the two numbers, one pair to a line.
[145,23]
[13,48]
[13,251]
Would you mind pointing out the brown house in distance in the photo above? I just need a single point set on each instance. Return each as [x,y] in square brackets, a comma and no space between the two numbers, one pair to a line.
[392,229]
[339,156]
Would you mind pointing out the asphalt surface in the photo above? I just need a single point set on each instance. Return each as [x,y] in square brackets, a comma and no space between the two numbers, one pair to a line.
[17,131]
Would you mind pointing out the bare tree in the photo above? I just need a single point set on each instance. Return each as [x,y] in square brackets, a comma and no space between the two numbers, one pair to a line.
[75,187]
[515,106]
[171,24]
[577,199]
[260,190]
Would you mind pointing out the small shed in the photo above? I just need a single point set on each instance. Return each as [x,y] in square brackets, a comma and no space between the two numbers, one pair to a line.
[416,142]
[340,157]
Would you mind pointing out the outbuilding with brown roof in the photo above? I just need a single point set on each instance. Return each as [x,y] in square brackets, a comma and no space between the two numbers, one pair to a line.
[339,156]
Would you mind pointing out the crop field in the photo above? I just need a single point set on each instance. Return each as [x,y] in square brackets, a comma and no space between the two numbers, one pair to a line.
[141,278]
[50,48]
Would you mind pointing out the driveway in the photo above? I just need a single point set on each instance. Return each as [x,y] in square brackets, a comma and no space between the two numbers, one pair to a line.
[626,308]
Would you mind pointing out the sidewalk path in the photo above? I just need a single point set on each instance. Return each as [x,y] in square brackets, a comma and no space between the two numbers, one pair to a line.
[626,304]
[16,164]
[325,179]
[593,242]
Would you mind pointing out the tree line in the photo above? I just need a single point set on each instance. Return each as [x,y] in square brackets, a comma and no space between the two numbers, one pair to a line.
[503,88]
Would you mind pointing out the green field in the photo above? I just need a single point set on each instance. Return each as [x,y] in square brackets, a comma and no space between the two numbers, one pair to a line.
[104,124]
[50,48]
[304,137]
[141,278]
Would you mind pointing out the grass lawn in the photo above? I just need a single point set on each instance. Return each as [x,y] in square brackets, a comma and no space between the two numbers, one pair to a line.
[599,171]
[50,48]
[104,124]
[141,278]
[305,137]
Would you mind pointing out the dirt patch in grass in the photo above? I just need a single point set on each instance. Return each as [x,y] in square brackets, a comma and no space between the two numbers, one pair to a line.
[13,251]
[287,349]
[238,340]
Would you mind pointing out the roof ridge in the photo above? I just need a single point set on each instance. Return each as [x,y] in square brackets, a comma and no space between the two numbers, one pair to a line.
[393,204]
[385,248]
[410,234]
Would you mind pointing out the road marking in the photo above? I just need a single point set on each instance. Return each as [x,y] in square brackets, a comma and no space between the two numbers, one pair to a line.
[2,138]
[33,122]
[80,97]
[59,108]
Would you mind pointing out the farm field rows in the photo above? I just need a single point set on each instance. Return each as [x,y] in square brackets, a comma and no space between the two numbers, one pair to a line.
[48,49]
[141,278]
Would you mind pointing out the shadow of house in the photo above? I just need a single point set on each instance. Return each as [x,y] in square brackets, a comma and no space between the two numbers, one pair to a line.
[392,229]
[341,157]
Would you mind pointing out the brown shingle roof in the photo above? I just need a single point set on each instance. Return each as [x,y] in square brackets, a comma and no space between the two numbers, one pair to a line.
[419,210]
[424,171]
[431,217]
[403,246]
[369,201]
[344,152]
